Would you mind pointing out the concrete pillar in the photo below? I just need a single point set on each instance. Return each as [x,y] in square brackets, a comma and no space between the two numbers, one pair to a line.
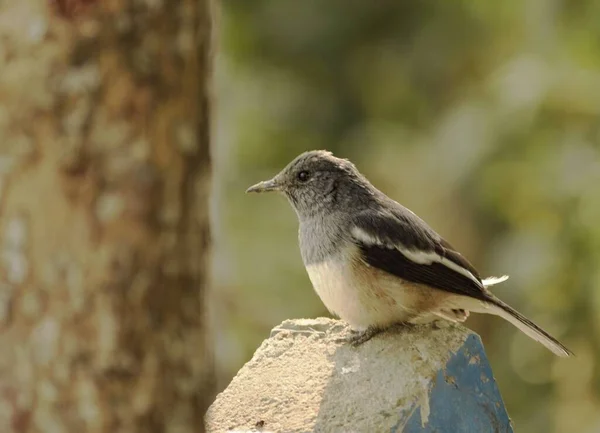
[304,378]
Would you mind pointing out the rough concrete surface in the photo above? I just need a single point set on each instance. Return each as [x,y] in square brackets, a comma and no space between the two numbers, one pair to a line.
[305,378]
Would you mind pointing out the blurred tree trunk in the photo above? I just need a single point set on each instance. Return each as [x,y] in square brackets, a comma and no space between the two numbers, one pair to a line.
[104,235]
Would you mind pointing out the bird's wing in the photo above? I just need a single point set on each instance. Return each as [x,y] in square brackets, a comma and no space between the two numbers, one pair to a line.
[402,244]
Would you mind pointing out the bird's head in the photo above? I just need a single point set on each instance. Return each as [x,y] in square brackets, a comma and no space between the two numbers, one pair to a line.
[317,181]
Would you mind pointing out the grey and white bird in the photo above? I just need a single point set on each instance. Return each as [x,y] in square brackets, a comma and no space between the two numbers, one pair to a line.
[373,262]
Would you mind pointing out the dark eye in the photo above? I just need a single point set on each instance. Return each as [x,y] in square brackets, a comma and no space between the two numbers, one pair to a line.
[303,176]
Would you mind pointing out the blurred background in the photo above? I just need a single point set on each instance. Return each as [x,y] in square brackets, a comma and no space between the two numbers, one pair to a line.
[481,117]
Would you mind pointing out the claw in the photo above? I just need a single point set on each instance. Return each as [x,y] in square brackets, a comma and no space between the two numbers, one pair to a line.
[360,337]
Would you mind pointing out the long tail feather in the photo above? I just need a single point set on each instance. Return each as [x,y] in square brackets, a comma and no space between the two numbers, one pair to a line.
[529,328]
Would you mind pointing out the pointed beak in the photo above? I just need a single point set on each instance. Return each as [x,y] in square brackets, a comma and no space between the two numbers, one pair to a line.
[264,186]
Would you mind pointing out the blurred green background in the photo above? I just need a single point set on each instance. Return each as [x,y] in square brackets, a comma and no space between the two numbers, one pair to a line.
[482,117]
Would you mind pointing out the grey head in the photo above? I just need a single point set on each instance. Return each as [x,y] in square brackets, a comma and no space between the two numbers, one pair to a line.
[318,183]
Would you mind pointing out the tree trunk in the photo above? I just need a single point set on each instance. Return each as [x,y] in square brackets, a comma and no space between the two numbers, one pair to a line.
[104,233]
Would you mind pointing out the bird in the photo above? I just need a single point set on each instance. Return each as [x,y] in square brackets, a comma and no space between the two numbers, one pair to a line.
[374,263]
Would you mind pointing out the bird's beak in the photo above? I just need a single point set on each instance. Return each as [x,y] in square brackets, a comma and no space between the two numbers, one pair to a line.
[265,186]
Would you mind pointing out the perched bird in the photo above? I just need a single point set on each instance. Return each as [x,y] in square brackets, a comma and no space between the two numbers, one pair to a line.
[373,262]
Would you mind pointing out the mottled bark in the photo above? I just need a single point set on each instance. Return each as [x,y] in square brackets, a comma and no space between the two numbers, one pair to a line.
[104,182]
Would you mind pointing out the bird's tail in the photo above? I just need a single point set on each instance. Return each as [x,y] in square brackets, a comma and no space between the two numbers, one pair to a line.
[499,308]
[528,327]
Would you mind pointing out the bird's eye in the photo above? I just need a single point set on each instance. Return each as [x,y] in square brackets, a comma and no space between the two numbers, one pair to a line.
[303,176]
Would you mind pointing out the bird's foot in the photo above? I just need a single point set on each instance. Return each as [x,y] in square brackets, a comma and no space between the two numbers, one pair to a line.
[359,337]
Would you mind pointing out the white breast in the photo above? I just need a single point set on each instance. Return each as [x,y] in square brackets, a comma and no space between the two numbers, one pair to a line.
[360,295]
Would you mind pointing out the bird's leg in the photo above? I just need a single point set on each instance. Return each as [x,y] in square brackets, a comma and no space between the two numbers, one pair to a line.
[403,326]
[359,337]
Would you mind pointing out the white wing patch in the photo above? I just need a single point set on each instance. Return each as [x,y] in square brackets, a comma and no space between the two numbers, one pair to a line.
[421,257]
[362,236]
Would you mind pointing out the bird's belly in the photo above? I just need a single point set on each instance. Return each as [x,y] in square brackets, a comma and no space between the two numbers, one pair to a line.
[361,295]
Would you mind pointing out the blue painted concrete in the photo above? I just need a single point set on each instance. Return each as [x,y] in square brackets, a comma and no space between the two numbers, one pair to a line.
[464,398]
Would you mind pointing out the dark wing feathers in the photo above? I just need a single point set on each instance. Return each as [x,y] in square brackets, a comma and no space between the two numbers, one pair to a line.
[402,230]
[448,251]
[398,226]
[384,235]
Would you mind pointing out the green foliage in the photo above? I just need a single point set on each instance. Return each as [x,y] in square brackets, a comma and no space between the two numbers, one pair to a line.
[482,117]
